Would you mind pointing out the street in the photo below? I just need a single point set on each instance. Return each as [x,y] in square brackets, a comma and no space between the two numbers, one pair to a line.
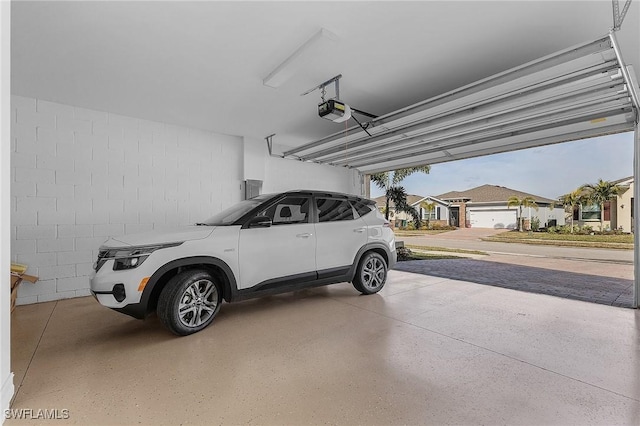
[588,261]
[469,239]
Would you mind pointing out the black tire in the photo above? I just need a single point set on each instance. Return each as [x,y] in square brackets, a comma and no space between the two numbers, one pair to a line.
[189,302]
[371,273]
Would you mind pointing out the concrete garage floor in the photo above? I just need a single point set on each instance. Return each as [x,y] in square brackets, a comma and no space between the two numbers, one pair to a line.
[426,350]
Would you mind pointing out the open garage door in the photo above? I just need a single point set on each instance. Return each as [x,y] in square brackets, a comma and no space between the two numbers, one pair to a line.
[574,94]
[581,92]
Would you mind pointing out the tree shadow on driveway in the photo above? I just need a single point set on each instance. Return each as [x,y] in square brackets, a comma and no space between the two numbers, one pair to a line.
[570,285]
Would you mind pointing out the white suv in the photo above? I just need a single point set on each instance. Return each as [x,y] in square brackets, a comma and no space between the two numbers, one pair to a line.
[269,244]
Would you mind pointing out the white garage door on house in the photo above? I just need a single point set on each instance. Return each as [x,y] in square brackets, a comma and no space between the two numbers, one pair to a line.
[496,219]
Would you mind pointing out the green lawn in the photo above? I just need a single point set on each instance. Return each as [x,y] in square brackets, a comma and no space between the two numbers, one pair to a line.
[419,233]
[432,253]
[444,249]
[428,256]
[624,241]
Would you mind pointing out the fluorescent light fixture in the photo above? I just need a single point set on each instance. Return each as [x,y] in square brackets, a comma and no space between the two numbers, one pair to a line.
[288,67]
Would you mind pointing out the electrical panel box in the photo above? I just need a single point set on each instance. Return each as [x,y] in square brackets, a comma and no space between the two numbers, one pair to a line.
[252,188]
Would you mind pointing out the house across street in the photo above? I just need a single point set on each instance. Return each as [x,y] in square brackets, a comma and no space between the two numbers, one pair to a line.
[485,206]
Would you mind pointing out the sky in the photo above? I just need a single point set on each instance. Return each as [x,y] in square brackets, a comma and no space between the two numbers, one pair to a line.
[548,171]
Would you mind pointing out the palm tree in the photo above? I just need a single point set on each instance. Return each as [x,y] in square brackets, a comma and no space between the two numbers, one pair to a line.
[599,194]
[398,195]
[515,201]
[387,182]
[429,207]
[570,201]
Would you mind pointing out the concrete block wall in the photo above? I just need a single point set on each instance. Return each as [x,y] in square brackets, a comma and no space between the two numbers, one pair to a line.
[79,176]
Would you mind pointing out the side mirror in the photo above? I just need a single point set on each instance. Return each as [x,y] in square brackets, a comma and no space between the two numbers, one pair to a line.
[260,222]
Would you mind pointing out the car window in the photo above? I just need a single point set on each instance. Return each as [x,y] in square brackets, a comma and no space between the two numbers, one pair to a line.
[235,212]
[362,207]
[331,210]
[289,210]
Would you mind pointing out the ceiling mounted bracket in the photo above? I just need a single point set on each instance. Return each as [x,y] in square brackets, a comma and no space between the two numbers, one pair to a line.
[323,91]
[617,16]
[323,86]
[269,140]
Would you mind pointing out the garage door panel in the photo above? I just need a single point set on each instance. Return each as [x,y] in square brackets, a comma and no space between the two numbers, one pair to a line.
[495,219]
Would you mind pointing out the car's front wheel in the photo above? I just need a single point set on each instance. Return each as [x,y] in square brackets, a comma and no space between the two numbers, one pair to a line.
[189,302]
[371,274]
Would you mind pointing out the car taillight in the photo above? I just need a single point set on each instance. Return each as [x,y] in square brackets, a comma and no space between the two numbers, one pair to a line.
[386,224]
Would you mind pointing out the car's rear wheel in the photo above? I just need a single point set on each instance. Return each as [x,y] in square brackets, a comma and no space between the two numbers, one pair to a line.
[189,302]
[371,274]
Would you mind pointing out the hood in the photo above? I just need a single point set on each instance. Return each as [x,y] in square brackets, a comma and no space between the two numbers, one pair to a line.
[184,233]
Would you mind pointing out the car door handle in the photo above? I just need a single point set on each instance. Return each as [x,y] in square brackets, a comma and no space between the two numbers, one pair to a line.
[359,230]
[305,235]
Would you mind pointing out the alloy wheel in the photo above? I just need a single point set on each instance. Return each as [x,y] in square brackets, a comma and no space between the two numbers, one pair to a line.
[198,303]
[373,273]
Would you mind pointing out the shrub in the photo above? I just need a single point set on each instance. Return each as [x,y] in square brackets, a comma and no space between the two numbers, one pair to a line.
[403,253]
[535,224]
[587,229]
[439,227]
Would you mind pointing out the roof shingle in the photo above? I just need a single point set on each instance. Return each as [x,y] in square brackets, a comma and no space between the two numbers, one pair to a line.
[490,193]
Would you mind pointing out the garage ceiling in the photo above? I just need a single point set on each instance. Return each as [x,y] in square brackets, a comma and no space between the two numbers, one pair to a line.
[202,64]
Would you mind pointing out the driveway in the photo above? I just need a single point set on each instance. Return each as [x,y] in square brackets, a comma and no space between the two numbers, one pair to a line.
[595,275]
[572,285]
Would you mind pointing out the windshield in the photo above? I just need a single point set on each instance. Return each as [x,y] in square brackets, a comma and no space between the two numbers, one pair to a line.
[235,212]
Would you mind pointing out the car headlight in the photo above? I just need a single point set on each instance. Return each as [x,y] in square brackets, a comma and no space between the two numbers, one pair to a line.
[129,260]
[128,257]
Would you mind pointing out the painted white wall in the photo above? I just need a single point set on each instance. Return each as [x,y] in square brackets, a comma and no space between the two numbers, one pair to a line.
[80,176]
[545,214]
[255,151]
[6,376]
[621,209]
[441,210]
[284,174]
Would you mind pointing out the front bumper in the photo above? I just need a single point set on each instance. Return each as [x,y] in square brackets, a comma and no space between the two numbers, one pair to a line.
[118,289]
[135,310]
